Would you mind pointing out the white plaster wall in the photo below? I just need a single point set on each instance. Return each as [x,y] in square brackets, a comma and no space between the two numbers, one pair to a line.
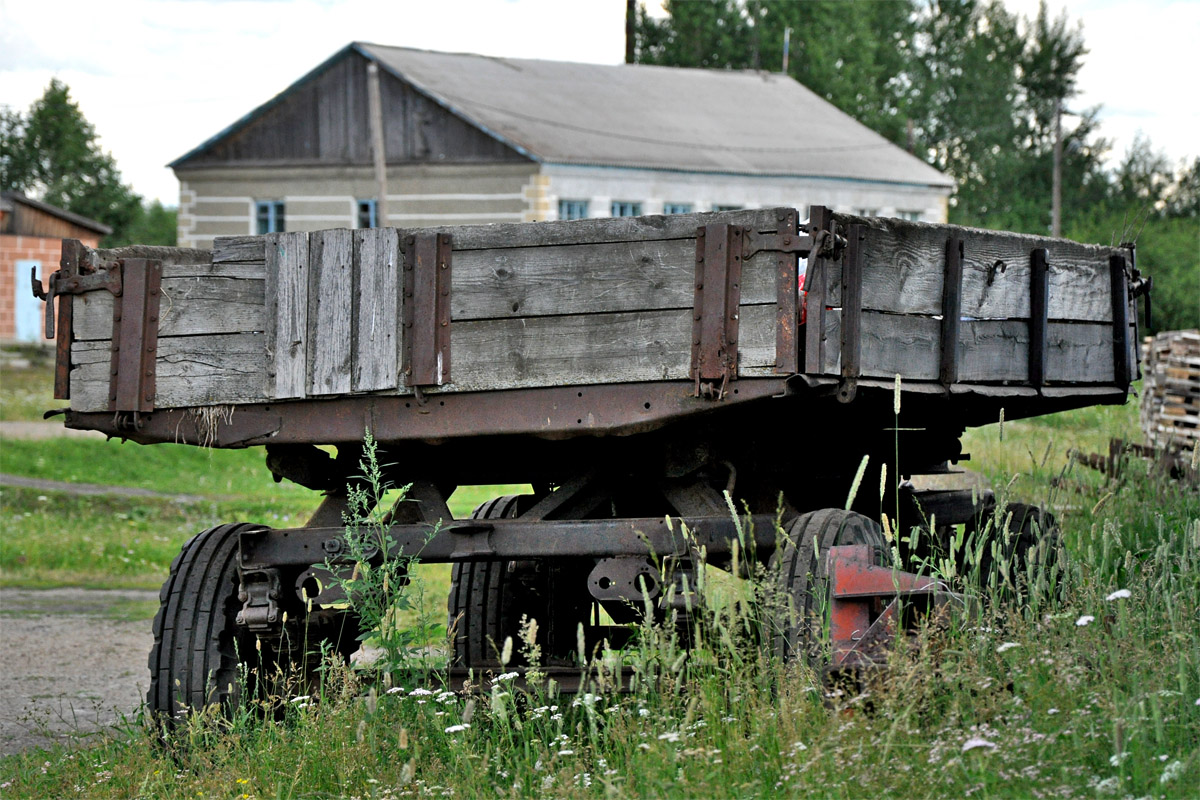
[602,185]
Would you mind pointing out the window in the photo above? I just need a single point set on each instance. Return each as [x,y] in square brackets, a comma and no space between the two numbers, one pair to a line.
[726,208]
[572,209]
[911,216]
[866,212]
[677,208]
[269,215]
[367,214]
[624,208]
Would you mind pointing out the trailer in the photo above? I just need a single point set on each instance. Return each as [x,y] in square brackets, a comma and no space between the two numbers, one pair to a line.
[642,374]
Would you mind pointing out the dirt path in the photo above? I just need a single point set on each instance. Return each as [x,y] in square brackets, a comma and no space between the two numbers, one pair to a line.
[43,485]
[72,660]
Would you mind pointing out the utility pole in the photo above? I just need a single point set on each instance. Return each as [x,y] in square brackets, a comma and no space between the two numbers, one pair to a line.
[375,109]
[787,42]
[630,31]
[1056,186]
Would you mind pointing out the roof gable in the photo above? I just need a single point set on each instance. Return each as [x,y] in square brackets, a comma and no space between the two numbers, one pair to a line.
[487,108]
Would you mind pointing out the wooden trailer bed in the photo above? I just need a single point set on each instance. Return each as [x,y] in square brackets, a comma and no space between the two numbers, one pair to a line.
[694,310]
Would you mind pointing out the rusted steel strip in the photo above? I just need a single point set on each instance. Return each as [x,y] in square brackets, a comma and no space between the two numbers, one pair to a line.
[715,310]
[72,252]
[852,312]
[135,336]
[820,219]
[426,309]
[1120,318]
[951,311]
[515,538]
[552,412]
[1039,305]
[787,289]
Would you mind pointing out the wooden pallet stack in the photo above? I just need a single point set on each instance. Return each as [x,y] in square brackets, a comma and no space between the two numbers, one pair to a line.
[1171,391]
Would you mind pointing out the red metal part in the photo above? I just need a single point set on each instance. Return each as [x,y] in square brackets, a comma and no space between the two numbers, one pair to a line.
[858,631]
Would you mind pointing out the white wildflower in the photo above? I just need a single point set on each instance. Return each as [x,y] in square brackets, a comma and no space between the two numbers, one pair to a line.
[301,698]
[504,676]
[1119,594]
[566,752]
[1171,772]
[458,728]
[419,692]
[395,690]
[670,736]
[645,712]
[1108,785]
[1003,646]
[975,742]
[643,746]
[1086,619]
[1117,759]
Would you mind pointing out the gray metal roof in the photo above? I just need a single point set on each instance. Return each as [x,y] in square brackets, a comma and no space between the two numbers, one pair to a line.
[650,117]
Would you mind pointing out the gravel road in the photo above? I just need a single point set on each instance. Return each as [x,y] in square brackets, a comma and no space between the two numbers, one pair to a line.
[72,660]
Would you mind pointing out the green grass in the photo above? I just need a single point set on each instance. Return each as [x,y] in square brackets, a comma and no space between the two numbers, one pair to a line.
[28,392]
[1110,708]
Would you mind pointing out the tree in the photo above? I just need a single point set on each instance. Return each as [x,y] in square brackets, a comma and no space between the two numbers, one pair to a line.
[52,154]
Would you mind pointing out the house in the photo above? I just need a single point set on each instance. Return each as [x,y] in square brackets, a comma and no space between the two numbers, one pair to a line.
[477,139]
[31,234]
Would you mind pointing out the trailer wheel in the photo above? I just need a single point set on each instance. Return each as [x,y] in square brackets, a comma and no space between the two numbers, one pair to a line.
[489,598]
[800,573]
[198,645]
[1016,554]
[202,658]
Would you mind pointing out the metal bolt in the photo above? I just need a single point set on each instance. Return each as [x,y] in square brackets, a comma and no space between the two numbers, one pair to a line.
[444,323]
[443,265]
[787,240]
[697,316]
[149,348]
[694,341]
[154,318]
[149,397]
[699,284]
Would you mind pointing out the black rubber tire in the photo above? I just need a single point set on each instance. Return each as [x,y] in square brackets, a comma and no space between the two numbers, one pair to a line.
[801,578]
[197,642]
[1024,537]
[489,598]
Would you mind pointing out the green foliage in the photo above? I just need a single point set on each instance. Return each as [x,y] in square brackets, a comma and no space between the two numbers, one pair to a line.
[374,577]
[152,224]
[52,153]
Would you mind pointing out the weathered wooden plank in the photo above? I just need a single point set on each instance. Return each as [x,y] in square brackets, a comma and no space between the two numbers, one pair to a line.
[208,301]
[169,256]
[287,314]
[589,278]
[594,231]
[989,351]
[903,271]
[239,248]
[222,369]
[593,348]
[377,329]
[330,310]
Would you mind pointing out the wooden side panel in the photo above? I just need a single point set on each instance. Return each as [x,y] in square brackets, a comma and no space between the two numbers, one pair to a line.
[377,330]
[593,348]
[904,266]
[589,278]
[596,231]
[286,314]
[330,306]
[222,369]
[228,249]
[197,299]
[991,351]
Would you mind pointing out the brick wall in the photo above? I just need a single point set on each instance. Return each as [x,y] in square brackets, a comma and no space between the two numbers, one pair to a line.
[23,248]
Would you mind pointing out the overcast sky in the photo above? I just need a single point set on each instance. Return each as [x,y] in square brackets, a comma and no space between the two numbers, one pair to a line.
[158,77]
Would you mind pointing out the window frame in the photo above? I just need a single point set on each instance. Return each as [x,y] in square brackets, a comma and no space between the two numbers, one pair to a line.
[632,206]
[270,216]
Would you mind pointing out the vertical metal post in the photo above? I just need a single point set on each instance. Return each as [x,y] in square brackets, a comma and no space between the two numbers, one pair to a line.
[852,313]
[820,219]
[787,291]
[951,311]
[1039,295]
[1120,319]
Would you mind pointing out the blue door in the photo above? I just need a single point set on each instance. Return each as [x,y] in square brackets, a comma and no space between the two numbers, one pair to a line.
[28,308]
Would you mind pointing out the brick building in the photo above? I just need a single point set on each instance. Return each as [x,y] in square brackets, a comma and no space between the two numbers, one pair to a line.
[31,234]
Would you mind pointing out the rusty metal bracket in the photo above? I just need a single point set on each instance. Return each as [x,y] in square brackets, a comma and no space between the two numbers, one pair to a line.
[426,309]
[260,592]
[1122,368]
[779,242]
[136,305]
[715,310]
